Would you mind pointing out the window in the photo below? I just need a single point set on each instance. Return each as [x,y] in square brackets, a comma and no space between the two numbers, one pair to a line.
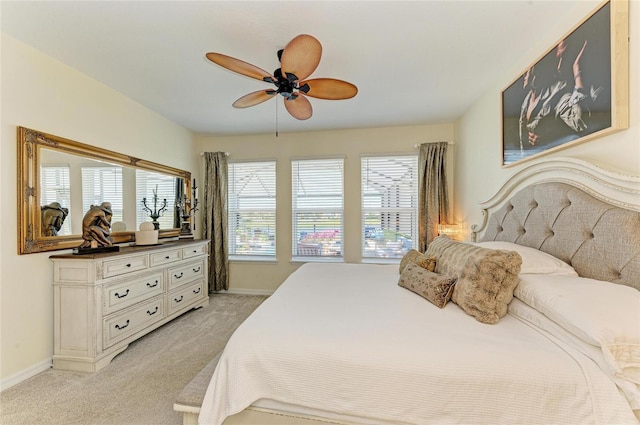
[103,184]
[317,199]
[389,205]
[148,183]
[56,187]
[252,208]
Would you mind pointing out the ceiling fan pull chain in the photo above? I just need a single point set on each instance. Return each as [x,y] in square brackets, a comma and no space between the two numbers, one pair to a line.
[276,119]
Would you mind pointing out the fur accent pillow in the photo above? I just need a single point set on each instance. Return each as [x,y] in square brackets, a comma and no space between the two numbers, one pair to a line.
[486,277]
[416,257]
[431,286]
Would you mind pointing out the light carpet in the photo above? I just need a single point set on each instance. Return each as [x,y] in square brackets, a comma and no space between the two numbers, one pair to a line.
[140,385]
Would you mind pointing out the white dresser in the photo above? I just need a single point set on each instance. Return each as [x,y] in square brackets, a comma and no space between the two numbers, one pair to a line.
[102,302]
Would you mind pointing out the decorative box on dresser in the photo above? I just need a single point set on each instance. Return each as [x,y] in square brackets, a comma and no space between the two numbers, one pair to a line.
[104,301]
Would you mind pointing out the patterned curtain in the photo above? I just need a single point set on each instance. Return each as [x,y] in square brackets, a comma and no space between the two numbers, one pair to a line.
[433,199]
[215,219]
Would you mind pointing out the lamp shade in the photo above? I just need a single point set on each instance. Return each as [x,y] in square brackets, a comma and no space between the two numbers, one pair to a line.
[448,229]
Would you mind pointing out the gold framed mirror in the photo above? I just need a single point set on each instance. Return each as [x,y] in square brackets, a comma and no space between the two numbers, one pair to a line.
[54,171]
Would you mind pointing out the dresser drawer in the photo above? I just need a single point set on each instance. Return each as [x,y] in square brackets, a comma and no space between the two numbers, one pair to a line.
[124,265]
[194,250]
[122,325]
[164,257]
[117,296]
[183,274]
[185,296]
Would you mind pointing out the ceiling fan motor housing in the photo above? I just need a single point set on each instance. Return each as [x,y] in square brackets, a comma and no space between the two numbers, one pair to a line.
[286,85]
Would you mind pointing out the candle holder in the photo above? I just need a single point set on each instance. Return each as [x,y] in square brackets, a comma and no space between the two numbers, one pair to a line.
[154,213]
[187,208]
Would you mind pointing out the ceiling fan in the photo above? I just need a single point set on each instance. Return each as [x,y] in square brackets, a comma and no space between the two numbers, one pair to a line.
[298,60]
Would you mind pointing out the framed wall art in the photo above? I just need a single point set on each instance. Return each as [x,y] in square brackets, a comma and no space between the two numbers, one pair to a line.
[576,91]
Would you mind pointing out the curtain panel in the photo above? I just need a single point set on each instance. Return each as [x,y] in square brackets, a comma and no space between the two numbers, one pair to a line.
[433,199]
[215,219]
[179,190]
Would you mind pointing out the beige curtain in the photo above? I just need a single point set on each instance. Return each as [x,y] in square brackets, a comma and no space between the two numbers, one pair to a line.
[215,219]
[433,199]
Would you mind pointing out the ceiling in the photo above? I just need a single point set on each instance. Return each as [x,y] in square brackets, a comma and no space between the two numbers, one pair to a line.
[414,62]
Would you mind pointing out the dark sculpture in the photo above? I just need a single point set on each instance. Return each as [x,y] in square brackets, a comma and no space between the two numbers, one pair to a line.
[96,226]
[52,217]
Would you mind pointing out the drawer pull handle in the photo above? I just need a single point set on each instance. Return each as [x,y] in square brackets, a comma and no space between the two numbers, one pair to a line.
[151,313]
[167,257]
[123,295]
[118,327]
[196,291]
[154,285]
[195,251]
[128,265]
[179,300]
[178,277]
[196,270]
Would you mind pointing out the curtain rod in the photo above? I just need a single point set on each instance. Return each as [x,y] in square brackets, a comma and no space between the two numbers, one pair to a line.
[225,154]
[417,145]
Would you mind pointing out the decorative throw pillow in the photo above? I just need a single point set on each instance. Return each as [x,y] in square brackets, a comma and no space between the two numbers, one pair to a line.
[434,287]
[486,277]
[408,258]
[416,257]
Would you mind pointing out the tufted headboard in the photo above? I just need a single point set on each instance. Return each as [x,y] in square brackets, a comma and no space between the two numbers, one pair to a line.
[583,215]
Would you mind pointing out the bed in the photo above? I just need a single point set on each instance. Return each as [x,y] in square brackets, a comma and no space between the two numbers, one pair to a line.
[557,342]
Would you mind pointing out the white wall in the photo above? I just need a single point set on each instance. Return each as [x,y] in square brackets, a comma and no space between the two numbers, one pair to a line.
[44,94]
[351,144]
[479,157]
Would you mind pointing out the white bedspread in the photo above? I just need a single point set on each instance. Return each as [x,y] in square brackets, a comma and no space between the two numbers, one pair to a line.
[345,338]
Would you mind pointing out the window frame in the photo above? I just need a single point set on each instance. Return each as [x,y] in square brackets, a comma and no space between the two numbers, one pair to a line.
[108,193]
[272,233]
[145,190]
[331,248]
[63,194]
[395,253]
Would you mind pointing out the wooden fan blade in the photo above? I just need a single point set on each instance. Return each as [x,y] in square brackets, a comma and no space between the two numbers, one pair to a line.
[301,56]
[299,108]
[241,67]
[330,88]
[254,98]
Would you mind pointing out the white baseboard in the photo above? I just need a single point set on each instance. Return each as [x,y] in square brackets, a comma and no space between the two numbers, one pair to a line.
[241,291]
[25,374]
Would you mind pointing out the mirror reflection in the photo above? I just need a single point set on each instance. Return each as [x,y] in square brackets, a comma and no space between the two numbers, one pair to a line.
[135,195]
[61,179]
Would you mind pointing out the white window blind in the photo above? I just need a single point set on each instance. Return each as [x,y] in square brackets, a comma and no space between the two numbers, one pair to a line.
[389,205]
[318,207]
[252,208]
[148,182]
[55,186]
[102,184]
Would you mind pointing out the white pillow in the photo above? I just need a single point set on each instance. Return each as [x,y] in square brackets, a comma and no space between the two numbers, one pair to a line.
[533,261]
[600,313]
